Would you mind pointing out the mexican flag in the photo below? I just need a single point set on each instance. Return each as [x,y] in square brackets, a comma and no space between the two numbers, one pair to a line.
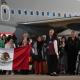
[15,59]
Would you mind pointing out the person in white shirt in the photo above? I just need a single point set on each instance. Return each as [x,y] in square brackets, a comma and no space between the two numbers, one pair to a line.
[9,44]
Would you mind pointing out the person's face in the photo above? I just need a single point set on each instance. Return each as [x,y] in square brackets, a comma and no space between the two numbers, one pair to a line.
[11,41]
[4,37]
[63,40]
[39,39]
[44,38]
[25,35]
[51,32]
[73,34]
[24,40]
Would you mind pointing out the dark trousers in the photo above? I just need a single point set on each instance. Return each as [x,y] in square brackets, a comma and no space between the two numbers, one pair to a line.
[52,62]
[71,63]
[0,72]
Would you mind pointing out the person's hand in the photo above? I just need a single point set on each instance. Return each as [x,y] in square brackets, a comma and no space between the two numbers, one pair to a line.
[57,56]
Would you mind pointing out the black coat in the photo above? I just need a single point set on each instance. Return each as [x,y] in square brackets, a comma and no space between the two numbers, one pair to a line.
[72,45]
[72,49]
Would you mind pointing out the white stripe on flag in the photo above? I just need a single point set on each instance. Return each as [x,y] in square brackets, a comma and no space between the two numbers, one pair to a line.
[6,59]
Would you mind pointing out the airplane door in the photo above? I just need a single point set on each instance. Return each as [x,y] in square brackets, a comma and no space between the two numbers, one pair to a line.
[5,13]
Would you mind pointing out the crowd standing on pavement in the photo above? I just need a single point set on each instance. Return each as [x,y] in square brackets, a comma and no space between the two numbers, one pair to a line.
[49,55]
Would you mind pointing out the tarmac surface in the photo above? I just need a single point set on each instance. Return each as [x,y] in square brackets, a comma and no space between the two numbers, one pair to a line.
[38,77]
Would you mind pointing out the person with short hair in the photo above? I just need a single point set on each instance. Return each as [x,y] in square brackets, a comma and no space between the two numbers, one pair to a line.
[72,49]
[9,44]
[38,45]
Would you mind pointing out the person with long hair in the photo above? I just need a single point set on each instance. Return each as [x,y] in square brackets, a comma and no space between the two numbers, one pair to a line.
[52,53]
[4,37]
[62,55]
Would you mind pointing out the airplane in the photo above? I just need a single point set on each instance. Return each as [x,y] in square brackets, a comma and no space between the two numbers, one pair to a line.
[38,16]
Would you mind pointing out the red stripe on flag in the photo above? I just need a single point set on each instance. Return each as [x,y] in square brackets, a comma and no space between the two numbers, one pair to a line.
[21,58]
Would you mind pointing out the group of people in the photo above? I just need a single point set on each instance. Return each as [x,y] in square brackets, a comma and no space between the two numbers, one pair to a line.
[49,54]
[60,54]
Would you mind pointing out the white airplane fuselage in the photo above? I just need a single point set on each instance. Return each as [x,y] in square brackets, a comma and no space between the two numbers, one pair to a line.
[37,11]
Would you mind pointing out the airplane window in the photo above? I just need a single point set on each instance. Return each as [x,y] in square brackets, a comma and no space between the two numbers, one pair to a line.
[3,1]
[53,14]
[42,13]
[31,12]
[37,12]
[12,11]
[65,15]
[5,11]
[19,11]
[59,14]
[47,13]
[25,12]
